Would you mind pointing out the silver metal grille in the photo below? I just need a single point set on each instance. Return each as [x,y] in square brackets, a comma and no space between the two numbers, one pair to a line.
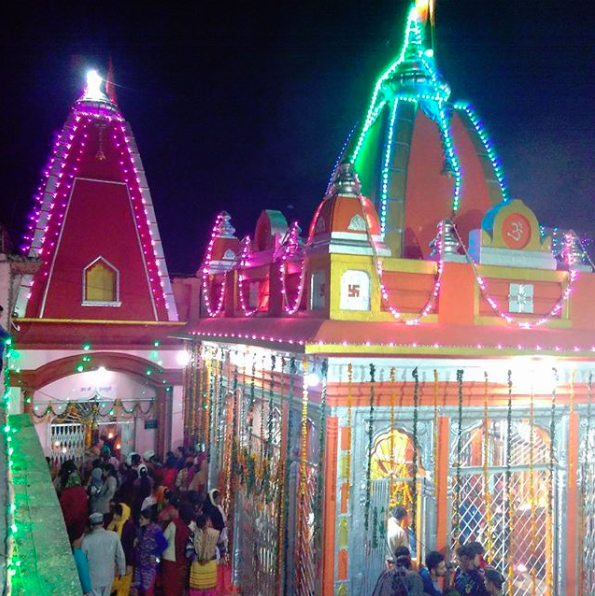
[587,526]
[67,441]
[527,550]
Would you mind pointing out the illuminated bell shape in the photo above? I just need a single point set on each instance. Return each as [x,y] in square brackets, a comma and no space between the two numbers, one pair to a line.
[93,91]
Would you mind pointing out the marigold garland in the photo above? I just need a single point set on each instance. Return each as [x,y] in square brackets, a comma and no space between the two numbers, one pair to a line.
[487,494]
[317,534]
[414,508]
[370,445]
[349,416]
[551,482]
[456,522]
[509,493]
[392,432]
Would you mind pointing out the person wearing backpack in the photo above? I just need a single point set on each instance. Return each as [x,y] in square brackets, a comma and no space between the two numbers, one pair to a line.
[399,580]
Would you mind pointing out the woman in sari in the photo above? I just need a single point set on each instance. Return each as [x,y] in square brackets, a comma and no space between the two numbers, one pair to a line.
[123,525]
[75,507]
[202,549]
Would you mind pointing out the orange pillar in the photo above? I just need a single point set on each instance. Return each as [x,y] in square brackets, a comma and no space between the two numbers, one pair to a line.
[572,513]
[330,505]
[442,511]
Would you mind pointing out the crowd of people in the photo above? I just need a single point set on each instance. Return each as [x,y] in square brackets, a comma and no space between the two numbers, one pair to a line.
[143,527]
[472,577]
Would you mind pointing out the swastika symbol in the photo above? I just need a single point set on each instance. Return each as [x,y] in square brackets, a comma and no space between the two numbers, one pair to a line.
[353,290]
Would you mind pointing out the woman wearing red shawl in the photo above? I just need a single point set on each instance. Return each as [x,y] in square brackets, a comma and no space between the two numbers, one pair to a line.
[175,566]
[75,508]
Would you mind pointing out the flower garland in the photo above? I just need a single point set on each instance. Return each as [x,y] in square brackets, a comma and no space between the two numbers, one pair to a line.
[414,507]
[532,498]
[349,416]
[456,522]
[487,494]
[244,256]
[318,517]
[551,482]
[206,269]
[392,460]
[280,480]
[136,409]
[210,417]
[509,492]
[435,437]
[268,447]
[284,517]
[288,250]
[205,399]
[369,454]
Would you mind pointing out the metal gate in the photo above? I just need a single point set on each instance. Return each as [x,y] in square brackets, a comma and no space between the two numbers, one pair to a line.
[67,441]
[488,513]
[587,525]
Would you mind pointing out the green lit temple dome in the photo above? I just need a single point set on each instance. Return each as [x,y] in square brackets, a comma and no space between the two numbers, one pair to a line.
[421,157]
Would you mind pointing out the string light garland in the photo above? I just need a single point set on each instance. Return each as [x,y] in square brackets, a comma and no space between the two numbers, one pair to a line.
[244,257]
[509,491]
[206,269]
[555,310]
[319,497]
[435,434]
[488,146]
[487,493]
[288,250]
[349,417]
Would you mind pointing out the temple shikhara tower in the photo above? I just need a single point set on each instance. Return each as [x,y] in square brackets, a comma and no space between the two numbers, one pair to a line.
[94,308]
[426,343]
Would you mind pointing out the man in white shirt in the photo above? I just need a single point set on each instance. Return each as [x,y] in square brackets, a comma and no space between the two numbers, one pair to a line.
[105,555]
[396,530]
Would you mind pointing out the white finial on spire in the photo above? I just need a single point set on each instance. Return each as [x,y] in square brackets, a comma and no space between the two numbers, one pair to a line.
[93,91]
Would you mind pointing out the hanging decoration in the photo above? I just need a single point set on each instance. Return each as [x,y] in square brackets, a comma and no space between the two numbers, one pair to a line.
[414,504]
[456,522]
[532,498]
[288,251]
[244,259]
[369,451]
[268,446]
[349,416]
[555,310]
[318,508]
[209,436]
[392,460]
[81,409]
[217,231]
[280,478]
[435,435]
[551,487]
[509,492]
[487,493]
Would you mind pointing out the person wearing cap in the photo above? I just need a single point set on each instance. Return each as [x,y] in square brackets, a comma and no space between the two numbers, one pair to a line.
[105,555]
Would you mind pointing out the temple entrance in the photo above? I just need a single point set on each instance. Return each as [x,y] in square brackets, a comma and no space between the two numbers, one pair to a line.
[504,501]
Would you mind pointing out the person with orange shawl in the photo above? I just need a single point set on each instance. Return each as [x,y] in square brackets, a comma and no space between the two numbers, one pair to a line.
[123,525]
[202,549]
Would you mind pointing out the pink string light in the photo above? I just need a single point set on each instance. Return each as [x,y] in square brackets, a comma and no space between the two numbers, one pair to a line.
[244,256]
[206,270]
[506,316]
[289,249]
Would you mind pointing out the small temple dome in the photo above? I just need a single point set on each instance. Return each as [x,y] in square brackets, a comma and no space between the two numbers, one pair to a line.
[226,247]
[344,209]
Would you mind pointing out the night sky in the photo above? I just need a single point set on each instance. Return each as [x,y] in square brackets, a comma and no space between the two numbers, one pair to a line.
[245,106]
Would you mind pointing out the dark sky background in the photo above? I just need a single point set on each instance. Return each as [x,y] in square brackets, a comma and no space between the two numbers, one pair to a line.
[245,106]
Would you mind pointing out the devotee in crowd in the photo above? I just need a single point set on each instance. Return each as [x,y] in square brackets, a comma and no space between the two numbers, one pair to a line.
[399,579]
[169,508]
[104,554]
[468,578]
[431,574]
[494,582]
[123,526]
[101,501]
[478,552]
[82,565]
[143,487]
[149,545]
[213,510]
[183,477]
[74,504]
[396,532]
[170,472]
[203,552]
[176,566]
